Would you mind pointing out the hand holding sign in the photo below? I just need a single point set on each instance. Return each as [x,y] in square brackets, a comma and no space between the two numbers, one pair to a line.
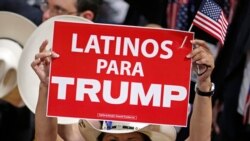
[202,66]
[42,62]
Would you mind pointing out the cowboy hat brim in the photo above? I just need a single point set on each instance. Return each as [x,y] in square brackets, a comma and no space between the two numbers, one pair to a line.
[15,27]
[14,32]
[154,132]
[28,81]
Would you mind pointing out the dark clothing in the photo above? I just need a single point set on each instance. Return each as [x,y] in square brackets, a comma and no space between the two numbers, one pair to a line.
[241,134]
[16,124]
[142,12]
[21,7]
[228,72]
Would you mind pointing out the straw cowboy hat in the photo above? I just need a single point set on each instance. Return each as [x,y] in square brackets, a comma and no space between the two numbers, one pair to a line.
[28,81]
[90,130]
[14,32]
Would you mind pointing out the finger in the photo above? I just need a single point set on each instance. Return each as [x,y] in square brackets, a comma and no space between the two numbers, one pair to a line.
[197,57]
[37,56]
[43,46]
[201,69]
[51,56]
[54,54]
[35,63]
[41,50]
[43,55]
[194,52]
[48,59]
[206,59]
[199,42]
[203,61]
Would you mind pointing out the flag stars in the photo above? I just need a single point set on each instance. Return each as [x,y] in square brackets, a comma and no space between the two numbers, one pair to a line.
[182,23]
[211,9]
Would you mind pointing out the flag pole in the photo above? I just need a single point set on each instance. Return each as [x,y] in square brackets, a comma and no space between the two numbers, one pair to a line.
[190,28]
[198,68]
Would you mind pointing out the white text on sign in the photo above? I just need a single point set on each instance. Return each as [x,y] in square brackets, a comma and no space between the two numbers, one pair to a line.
[91,88]
[135,47]
[159,95]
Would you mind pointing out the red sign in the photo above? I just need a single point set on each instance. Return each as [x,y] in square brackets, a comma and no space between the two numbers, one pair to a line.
[120,73]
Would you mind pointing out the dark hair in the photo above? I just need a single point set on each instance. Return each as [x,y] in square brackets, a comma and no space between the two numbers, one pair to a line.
[144,137]
[93,5]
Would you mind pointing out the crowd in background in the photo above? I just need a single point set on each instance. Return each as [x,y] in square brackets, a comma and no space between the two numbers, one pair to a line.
[231,75]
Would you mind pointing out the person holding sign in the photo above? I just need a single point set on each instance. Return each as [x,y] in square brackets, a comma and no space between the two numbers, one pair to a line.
[201,120]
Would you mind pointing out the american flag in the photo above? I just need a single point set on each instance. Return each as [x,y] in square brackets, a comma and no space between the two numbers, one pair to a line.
[173,10]
[211,19]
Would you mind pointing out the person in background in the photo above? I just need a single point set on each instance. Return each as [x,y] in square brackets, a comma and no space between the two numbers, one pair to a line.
[87,9]
[16,120]
[83,8]
[232,77]
[22,7]
[36,12]
[112,12]
[180,15]
[142,12]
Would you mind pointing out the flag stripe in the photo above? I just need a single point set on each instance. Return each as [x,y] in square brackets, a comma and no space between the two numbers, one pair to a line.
[205,20]
[224,22]
[222,28]
[172,9]
[207,29]
[210,31]
[208,24]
